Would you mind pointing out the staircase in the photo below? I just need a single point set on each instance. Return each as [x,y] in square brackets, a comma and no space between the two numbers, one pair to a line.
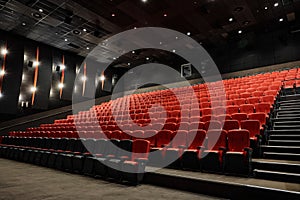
[281,154]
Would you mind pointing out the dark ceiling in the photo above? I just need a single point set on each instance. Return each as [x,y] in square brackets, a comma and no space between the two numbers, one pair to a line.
[80,25]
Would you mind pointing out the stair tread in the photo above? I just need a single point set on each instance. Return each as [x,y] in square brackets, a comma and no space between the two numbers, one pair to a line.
[284,154]
[283,162]
[271,146]
[276,172]
[284,141]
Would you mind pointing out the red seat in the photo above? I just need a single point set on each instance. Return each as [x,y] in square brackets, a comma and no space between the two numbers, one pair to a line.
[239,116]
[232,109]
[253,100]
[263,107]
[247,108]
[213,159]
[261,117]
[238,157]
[253,126]
[212,125]
[239,102]
[268,99]
[231,125]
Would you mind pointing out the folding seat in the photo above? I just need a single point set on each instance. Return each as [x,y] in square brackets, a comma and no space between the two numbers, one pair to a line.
[219,111]
[239,116]
[150,135]
[234,96]
[245,95]
[247,108]
[170,126]
[271,93]
[137,134]
[238,158]
[261,117]
[222,118]
[114,165]
[258,93]
[174,152]
[116,135]
[253,100]
[98,152]
[163,140]
[267,99]
[206,118]
[239,102]
[212,125]
[231,125]
[205,105]
[206,111]
[263,107]
[196,125]
[232,109]
[134,169]
[196,144]
[253,126]
[213,157]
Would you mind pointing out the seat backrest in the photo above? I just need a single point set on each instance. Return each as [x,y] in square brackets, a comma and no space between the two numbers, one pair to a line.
[212,125]
[125,148]
[253,126]
[163,138]
[238,140]
[180,139]
[140,149]
[261,117]
[239,116]
[231,124]
[232,109]
[216,139]
[263,107]
[150,135]
[247,108]
[196,138]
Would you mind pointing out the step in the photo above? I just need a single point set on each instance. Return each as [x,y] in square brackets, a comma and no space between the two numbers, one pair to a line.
[295,106]
[277,165]
[294,127]
[281,149]
[284,137]
[288,98]
[279,176]
[281,156]
[284,132]
[287,115]
[284,119]
[287,123]
[288,112]
[284,142]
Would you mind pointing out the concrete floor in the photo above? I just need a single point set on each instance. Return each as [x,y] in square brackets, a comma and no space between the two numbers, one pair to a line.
[28,182]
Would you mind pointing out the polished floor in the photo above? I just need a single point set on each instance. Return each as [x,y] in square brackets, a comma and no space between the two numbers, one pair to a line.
[28,182]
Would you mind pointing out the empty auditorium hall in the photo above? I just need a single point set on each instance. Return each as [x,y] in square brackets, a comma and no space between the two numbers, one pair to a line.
[149,99]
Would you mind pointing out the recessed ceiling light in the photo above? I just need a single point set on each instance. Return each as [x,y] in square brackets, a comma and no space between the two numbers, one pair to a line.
[176,38]
[144,1]
[87,48]
[165,15]
[66,40]
[76,32]
[41,10]
[23,23]
[160,43]
[113,15]
[281,19]
[84,30]
[133,52]
[1,95]
[37,15]
[240,32]
[266,8]
[147,58]
[230,19]
[276,4]
[174,50]
[188,33]
[128,64]
[246,23]
[134,27]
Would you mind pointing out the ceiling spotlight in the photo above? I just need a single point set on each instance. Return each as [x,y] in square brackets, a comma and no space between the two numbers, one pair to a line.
[61,85]
[33,89]
[23,23]
[246,23]
[240,32]
[276,4]
[147,58]
[188,33]
[87,48]
[266,8]
[2,72]
[230,19]
[83,78]
[133,52]
[281,19]
[102,78]
[41,10]
[76,32]
[165,15]
[84,30]
[1,95]
[113,15]
[35,64]
[174,50]
[144,1]
[128,64]
[134,27]
[66,40]
[37,15]
[4,51]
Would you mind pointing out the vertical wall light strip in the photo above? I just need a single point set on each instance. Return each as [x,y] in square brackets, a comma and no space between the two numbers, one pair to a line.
[36,74]
[84,79]
[62,79]
[102,75]
[3,70]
